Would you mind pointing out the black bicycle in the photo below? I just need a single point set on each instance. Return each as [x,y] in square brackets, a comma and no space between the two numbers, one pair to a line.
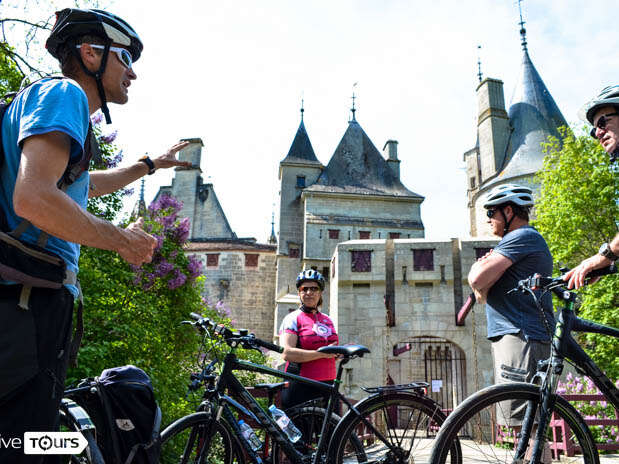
[393,425]
[486,427]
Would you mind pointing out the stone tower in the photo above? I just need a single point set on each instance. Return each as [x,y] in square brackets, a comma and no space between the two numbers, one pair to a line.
[509,144]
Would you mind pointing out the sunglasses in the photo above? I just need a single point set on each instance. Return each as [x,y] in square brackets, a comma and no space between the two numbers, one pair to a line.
[601,124]
[309,289]
[122,53]
[491,212]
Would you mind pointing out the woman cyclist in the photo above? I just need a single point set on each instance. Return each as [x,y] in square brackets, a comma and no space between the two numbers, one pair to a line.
[302,332]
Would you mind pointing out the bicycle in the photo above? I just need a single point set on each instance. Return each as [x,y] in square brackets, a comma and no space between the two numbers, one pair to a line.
[392,425]
[482,423]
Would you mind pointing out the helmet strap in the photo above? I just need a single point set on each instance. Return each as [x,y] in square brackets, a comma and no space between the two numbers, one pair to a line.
[98,75]
[307,309]
[507,223]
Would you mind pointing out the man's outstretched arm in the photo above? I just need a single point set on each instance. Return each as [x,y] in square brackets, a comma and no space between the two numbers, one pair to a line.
[38,199]
[576,277]
[111,180]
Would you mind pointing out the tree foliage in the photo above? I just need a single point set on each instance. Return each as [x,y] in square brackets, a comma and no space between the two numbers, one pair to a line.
[133,315]
[576,213]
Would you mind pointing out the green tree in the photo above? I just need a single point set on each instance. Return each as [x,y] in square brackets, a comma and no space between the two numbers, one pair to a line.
[10,75]
[576,212]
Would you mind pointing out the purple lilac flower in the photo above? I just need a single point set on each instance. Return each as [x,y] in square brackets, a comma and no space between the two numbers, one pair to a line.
[97,118]
[164,268]
[178,280]
[127,192]
[115,160]
[109,138]
[181,234]
[159,242]
[150,281]
[194,266]
[164,202]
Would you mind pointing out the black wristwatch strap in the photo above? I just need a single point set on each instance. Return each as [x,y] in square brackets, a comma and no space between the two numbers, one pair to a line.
[148,162]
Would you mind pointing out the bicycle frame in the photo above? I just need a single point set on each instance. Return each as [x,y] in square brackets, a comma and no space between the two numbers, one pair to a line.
[227,380]
[564,346]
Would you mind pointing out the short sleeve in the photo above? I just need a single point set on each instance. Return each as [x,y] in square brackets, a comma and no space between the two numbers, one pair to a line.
[289,324]
[56,105]
[518,244]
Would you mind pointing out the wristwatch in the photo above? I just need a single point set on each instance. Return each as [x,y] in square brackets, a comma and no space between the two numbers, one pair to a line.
[607,252]
[148,162]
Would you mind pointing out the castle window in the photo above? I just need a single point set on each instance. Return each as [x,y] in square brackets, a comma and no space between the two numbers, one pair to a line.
[320,233]
[361,260]
[334,233]
[251,259]
[364,234]
[293,252]
[393,235]
[212,259]
[349,236]
[301,181]
[480,252]
[423,260]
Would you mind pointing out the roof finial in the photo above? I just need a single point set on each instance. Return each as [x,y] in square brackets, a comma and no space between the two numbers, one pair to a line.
[353,109]
[523,31]
[302,107]
[142,190]
[479,74]
[273,238]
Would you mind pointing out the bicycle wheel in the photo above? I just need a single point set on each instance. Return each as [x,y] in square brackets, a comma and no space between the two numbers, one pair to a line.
[480,425]
[403,426]
[309,422]
[91,454]
[186,441]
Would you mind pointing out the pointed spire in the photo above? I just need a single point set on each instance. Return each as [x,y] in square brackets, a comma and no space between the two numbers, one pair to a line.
[523,31]
[140,207]
[272,239]
[479,74]
[302,108]
[353,109]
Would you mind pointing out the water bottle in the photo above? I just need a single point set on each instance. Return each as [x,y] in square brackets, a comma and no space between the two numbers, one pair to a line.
[249,435]
[285,424]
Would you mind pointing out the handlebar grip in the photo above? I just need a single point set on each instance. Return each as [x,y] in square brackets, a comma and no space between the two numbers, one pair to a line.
[612,269]
[195,316]
[269,346]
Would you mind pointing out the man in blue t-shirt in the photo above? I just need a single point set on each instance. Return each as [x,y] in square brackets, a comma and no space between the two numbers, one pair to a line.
[44,130]
[603,113]
[519,333]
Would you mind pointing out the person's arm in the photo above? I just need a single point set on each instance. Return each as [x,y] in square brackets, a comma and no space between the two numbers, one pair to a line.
[108,181]
[576,277]
[485,272]
[293,354]
[38,199]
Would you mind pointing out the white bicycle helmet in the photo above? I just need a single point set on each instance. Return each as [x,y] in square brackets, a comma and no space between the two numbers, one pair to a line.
[609,96]
[509,193]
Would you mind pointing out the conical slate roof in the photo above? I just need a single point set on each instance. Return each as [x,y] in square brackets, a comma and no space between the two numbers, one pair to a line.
[301,150]
[357,167]
[534,116]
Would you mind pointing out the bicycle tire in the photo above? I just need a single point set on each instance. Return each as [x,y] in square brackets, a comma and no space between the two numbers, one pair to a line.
[183,441]
[483,439]
[407,421]
[92,453]
[309,421]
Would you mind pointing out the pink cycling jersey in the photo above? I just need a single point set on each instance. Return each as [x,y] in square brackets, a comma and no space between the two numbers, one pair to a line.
[313,331]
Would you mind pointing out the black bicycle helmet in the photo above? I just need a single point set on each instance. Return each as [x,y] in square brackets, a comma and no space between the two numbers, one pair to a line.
[310,275]
[72,23]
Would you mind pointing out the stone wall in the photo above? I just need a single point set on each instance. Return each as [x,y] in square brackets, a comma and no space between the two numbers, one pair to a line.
[424,309]
[248,291]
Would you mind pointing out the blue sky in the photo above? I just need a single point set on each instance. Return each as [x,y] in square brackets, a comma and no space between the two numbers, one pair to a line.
[234,73]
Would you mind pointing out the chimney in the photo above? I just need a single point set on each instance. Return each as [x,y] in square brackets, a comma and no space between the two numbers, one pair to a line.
[192,152]
[391,149]
[492,126]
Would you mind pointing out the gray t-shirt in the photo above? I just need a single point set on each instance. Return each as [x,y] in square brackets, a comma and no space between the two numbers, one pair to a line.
[529,253]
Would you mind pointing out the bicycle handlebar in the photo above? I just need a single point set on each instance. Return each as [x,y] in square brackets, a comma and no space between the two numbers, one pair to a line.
[537,282]
[247,340]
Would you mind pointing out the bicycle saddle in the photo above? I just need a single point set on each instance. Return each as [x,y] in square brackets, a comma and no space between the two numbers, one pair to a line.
[348,351]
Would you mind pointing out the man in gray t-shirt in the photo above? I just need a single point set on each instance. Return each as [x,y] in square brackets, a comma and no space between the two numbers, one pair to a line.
[520,337]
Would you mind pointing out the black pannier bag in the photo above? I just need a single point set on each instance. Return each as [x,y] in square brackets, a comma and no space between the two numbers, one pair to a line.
[126,416]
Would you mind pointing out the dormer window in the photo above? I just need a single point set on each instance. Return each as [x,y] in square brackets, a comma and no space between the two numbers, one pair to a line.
[301,181]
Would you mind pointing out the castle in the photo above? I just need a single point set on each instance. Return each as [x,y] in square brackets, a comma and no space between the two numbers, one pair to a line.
[388,287]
